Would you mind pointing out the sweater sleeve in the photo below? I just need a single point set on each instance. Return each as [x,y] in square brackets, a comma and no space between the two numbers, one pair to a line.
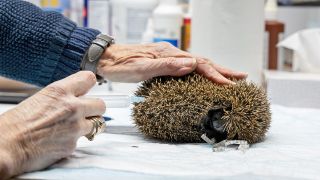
[39,47]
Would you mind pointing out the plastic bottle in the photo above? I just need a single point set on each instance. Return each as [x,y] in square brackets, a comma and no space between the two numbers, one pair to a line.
[271,9]
[186,29]
[129,19]
[167,22]
[61,6]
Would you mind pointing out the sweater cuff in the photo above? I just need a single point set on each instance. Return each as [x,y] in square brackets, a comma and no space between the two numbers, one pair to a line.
[67,50]
[70,60]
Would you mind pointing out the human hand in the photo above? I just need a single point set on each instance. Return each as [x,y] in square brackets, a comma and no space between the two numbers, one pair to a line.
[134,63]
[45,128]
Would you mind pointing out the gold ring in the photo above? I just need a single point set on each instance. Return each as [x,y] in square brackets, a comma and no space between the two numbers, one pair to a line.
[99,126]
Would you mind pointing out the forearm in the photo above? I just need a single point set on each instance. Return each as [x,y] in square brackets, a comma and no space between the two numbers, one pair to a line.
[39,47]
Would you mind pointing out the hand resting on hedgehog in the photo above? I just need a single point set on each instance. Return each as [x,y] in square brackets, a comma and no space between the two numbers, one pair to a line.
[182,109]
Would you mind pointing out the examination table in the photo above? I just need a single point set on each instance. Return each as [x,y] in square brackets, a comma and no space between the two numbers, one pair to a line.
[291,150]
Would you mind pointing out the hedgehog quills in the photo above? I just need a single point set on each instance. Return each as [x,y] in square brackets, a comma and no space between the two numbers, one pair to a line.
[182,109]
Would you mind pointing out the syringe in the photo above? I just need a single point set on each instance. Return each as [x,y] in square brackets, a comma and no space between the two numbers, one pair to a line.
[118,101]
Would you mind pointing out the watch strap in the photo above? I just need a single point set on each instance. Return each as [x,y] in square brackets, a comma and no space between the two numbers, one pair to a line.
[94,53]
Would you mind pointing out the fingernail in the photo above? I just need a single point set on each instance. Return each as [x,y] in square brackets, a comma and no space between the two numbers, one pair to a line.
[186,62]
[244,74]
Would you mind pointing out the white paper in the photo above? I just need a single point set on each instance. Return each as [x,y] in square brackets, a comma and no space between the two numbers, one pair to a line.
[291,150]
[305,45]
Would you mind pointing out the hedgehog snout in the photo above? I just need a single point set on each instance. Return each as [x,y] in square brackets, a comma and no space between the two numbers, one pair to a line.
[213,125]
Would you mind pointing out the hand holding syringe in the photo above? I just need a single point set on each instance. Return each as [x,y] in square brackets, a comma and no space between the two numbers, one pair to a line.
[118,101]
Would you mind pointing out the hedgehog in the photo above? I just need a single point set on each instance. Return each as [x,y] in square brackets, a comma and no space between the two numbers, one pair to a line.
[181,109]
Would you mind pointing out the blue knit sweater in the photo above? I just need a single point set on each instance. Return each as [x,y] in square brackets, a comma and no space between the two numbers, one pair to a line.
[39,47]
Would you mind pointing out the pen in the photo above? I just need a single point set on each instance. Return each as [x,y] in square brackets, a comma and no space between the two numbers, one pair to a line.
[106,118]
[118,101]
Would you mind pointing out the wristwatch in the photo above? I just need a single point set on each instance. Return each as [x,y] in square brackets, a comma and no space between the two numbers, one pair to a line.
[93,54]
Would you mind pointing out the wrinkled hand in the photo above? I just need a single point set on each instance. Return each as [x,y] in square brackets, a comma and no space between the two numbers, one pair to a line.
[45,128]
[134,63]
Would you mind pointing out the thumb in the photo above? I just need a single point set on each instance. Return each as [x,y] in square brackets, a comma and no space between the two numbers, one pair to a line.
[175,66]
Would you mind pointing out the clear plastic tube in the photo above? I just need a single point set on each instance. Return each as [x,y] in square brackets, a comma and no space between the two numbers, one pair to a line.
[118,101]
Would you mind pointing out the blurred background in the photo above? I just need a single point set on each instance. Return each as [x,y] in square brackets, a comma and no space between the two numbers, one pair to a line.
[276,42]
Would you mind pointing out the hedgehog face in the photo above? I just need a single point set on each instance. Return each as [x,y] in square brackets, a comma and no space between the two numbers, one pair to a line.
[182,109]
[213,125]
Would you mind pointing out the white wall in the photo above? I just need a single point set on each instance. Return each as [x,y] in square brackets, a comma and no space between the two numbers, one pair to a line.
[298,18]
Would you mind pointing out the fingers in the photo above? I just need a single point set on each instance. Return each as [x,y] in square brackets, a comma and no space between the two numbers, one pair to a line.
[86,108]
[85,127]
[93,106]
[217,73]
[172,66]
[78,84]
[230,73]
[212,74]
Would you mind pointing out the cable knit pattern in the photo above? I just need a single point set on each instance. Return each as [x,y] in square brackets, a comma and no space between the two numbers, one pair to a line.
[39,47]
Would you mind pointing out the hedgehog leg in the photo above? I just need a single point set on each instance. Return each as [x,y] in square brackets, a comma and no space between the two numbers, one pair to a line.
[213,125]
